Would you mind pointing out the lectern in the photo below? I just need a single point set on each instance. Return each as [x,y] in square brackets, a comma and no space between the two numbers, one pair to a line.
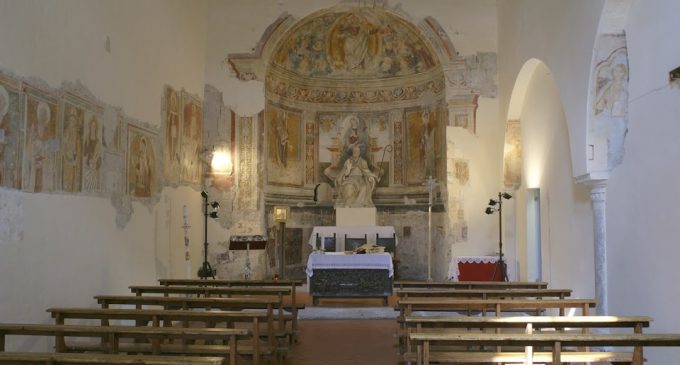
[254,242]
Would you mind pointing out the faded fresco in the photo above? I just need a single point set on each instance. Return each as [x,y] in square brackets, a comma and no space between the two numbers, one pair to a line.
[41,147]
[11,135]
[172,161]
[512,155]
[72,147]
[246,199]
[357,43]
[192,139]
[423,144]
[141,162]
[284,146]
[92,154]
[340,133]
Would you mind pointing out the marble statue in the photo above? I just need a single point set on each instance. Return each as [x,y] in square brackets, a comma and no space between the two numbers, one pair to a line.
[355,182]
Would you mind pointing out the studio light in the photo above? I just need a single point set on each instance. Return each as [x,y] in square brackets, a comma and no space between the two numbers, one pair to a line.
[215,205]
[497,206]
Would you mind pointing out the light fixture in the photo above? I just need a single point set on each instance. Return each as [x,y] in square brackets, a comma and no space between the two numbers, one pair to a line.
[206,270]
[221,163]
[281,213]
[497,206]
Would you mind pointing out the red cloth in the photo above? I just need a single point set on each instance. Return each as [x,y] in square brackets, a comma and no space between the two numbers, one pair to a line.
[472,271]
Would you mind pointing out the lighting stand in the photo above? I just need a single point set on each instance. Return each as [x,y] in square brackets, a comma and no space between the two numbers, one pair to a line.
[430,184]
[206,270]
[500,264]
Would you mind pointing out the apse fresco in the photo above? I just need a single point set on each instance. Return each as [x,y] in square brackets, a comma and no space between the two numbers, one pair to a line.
[41,147]
[11,133]
[339,132]
[356,43]
[423,144]
[284,145]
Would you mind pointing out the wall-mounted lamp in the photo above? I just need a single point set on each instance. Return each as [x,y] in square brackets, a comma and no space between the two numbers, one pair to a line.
[221,163]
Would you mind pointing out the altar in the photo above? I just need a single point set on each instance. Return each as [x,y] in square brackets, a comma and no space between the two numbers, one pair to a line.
[339,275]
[474,268]
[371,233]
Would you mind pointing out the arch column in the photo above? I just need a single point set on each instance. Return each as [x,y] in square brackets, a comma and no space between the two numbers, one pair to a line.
[598,196]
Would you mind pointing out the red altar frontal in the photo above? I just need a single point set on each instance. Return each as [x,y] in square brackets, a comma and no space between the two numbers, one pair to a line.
[475,268]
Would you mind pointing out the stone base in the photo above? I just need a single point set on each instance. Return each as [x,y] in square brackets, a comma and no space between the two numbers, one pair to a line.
[355,216]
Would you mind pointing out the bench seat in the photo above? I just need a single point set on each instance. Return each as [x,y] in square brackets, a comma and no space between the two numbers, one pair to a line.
[456,357]
[40,358]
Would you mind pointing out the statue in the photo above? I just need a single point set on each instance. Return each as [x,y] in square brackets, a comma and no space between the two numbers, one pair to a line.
[355,182]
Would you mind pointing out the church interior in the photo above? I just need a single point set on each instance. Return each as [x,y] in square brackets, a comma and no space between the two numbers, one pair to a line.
[248,141]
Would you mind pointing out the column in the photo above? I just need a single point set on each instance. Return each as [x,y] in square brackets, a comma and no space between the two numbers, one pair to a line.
[598,194]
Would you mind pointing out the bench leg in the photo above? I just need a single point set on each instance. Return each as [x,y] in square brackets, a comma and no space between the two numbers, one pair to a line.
[557,357]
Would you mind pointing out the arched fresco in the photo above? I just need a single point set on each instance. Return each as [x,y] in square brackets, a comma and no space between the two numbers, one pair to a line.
[350,77]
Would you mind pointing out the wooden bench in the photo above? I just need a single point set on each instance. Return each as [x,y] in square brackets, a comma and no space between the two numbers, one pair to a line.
[407,306]
[402,284]
[110,337]
[484,293]
[267,304]
[293,307]
[47,358]
[527,323]
[159,317]
[556,341]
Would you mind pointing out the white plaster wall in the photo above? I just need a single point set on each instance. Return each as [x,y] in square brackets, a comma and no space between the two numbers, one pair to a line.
[561,34]
[566,217]
[72,248]
[642,199]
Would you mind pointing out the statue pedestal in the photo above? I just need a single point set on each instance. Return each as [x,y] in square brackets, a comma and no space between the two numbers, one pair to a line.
[355,216]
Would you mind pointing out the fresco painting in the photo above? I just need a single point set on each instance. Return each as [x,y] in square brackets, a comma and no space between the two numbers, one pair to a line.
[356,43]
[284,145]
[71,148]
[11,112]
[41,146]
[172,127]
[191,140]
[141,162]
[423,144]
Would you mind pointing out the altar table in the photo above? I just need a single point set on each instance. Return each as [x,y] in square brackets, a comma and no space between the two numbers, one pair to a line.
[352,232]
[474,268]
[349,275]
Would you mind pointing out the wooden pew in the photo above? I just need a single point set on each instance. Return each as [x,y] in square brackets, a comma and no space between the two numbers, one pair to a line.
[402,284]
[264,303]
[113,334]
[166,317]
[407,306]
[292,284]
[527,323]
[556,341]
[484,293]
[48,358]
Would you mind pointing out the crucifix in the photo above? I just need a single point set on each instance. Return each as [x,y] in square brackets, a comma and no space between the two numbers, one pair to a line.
[430,184]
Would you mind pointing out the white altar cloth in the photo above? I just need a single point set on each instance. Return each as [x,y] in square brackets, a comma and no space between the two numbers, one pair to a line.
[351,232]
[349,261]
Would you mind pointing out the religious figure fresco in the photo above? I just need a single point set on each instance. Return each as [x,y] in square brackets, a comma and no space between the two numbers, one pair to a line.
[10,137]
[92,156]
[284,145]
[141,162]
[512,155]
[423,144]
[171,118]
[71,148]
[355,43]
[41,148]
[192,140]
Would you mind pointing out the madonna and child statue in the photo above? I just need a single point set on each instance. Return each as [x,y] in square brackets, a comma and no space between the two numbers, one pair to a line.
[354,181]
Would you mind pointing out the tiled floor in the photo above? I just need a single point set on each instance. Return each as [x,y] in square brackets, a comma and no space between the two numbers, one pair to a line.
[345,342]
